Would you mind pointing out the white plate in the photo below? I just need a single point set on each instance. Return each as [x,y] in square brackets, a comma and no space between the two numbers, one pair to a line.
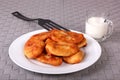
[92,54]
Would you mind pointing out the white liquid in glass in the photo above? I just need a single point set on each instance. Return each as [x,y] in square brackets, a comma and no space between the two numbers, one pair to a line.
[96,27]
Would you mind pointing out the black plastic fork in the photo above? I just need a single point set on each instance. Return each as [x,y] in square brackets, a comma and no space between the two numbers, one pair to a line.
[45,23]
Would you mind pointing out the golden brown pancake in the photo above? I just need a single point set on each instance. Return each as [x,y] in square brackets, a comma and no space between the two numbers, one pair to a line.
[33,48]
[76,58]
[35,45]
[66,36]
[50,59]
[61,49]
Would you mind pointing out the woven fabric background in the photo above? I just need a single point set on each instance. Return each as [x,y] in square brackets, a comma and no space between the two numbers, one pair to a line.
[68,13]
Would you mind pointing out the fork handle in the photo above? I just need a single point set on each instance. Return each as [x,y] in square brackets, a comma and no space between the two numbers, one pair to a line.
[20,16]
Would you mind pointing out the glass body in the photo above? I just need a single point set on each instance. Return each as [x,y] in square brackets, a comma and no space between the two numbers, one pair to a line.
[98,26]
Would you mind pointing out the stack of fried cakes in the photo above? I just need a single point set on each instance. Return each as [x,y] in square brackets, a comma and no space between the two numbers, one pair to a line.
[56,46]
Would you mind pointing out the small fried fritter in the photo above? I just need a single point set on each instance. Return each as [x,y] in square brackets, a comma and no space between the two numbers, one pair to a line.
[76,58]
[50,59]
[61,49]
[66,36]
[76,37]
[33,48]
[35,45]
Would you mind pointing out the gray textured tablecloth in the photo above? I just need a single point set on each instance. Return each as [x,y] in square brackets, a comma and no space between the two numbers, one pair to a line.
[68,13]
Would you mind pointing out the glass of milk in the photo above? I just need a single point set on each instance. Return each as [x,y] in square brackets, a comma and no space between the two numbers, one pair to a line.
[98,27]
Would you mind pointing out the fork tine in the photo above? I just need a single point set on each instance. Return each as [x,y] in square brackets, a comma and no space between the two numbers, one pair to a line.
[42,24]
[52,26]
[58,26]
[49,26]
[45,26]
